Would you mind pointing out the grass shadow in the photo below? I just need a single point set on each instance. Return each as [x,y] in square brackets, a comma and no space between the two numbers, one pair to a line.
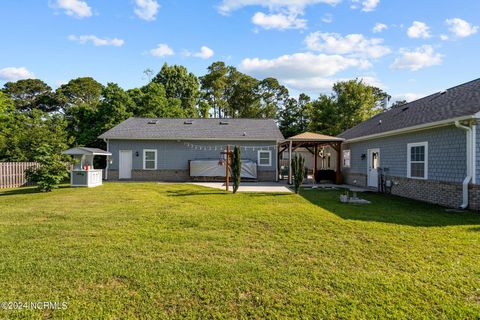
[390,209]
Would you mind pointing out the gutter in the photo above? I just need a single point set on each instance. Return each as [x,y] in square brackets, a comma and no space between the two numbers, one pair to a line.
[470,160]
[420,127]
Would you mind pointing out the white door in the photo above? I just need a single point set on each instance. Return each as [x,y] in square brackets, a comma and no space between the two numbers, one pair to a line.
[373,165]
[125,164]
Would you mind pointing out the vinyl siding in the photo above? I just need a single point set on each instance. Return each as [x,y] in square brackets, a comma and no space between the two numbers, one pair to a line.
[174,155]
[478,153]
[446,153]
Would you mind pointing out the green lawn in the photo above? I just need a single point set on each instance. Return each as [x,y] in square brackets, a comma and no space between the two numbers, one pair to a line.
[128,250]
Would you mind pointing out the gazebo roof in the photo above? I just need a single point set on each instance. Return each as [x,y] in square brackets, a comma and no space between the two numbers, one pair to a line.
[314,137]
[87,151]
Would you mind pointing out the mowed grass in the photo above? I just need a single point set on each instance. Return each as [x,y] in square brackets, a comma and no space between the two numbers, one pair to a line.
[148,251]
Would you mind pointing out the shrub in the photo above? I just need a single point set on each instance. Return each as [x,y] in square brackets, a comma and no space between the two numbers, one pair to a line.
[236,168]
[51,169]
[298,167]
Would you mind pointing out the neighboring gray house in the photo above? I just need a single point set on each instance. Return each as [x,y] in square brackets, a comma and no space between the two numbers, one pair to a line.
[162,149]
[428,148]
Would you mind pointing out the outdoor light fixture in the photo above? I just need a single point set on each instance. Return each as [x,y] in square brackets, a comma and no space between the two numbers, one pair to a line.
[364,156]
[136,153]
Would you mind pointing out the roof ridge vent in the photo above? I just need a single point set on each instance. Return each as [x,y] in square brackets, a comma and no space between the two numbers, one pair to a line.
[444,91]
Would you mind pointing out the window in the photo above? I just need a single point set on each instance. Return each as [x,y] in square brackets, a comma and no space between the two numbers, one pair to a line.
[346,158]
[417,166]
[264,158]
[149,159]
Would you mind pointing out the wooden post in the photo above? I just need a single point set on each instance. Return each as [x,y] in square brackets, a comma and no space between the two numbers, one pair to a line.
[339,162]
[290,162]
[227,173]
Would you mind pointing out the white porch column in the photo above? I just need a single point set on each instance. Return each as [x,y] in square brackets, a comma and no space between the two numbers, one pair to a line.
[290,162]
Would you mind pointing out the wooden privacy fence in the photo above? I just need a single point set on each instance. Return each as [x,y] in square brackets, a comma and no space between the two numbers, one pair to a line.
[12,174]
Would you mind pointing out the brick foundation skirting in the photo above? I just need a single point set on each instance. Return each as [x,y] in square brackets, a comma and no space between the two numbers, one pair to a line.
[177,175]
[448,194]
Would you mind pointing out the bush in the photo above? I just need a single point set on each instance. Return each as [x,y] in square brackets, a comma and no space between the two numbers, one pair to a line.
[236,168]
[51,169]
[298,166]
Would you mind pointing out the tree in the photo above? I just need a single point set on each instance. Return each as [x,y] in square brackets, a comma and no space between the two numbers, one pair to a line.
[236,168]
[213,85]
[293,117]
[351,103]
[240,96]
[298,167]
[179,84]
[79,99]
[151,102]
[51,169]
[31,94]
[21,134]
[273,97]
[113,109]
[80,91]
[398,103]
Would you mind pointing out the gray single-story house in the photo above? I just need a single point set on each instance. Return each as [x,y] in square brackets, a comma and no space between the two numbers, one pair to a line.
[428,149]
[184,149]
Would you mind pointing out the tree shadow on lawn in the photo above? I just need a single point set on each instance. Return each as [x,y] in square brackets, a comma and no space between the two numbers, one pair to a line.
[218,192]
[390,209]
[26,190]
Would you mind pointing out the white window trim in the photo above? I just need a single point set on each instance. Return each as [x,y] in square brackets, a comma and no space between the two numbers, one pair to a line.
[349,158]
[145,158]
[409,159]
[269,158]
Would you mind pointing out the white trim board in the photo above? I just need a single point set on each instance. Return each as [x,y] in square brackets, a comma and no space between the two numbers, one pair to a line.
[145,158]
[269,158]
[409,159]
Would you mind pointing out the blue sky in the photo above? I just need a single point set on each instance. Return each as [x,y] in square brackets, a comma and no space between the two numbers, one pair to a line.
[418,47]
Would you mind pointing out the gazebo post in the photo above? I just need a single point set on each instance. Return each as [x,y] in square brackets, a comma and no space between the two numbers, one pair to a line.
[315,165]
[290,162]
[339,162]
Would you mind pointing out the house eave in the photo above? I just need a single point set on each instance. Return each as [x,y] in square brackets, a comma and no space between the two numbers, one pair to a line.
[421,127]
[191,139]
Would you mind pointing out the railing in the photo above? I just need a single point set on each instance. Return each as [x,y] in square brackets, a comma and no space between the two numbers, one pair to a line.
[12,174]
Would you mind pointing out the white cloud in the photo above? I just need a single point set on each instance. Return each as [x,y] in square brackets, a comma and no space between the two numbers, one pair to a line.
[419,58]
[146,9]
[204,53]
[444,37]
[408,96]
[74,8]
[419,30]
[279,21]
[162,50]
[379,27]
[352,44]
[461,28]
[228,6]
[369,5]
[14,74]
[301,65]
[115,42]
[327,18]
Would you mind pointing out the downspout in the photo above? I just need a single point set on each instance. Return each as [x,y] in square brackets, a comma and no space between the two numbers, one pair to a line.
[108,160]
[468,178]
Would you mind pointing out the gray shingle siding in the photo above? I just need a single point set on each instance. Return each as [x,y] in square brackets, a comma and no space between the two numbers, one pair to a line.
[446,153]
[174,155]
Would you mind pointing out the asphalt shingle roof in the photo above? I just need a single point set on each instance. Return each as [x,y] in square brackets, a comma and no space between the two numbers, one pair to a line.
[459,101]
[185,129]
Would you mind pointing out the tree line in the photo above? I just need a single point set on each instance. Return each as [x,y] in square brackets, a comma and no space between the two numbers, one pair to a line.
[32,114]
